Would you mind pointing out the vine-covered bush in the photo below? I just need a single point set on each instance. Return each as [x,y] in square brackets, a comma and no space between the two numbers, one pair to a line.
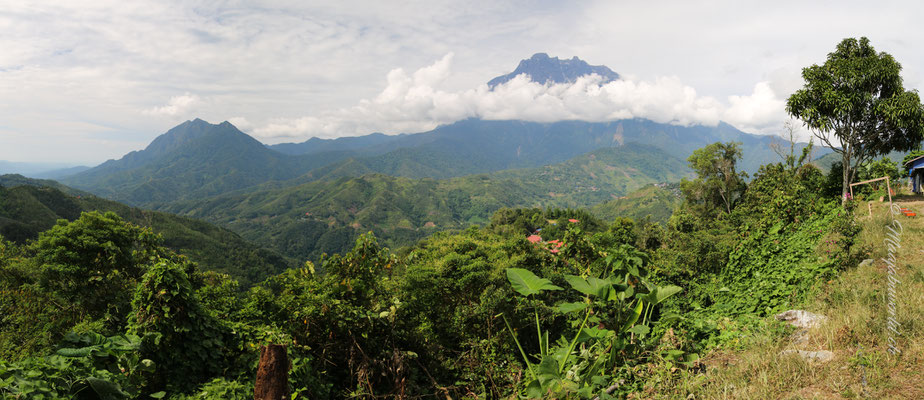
[187,343]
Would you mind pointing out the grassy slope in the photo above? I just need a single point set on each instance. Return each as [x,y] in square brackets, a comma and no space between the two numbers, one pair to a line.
[27,210]
[855,331]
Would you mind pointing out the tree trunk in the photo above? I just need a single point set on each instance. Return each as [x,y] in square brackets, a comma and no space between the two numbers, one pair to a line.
[845,186]
[272,374]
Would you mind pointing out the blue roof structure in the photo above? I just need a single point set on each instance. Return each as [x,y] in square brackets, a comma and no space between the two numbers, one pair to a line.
[915,164]
[916,172]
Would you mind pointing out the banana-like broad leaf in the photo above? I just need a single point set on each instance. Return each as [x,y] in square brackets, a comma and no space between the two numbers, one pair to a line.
[634,315]
[72,352]
[107,390]
[571,307]
[591,286]
[527,283]
[664,292]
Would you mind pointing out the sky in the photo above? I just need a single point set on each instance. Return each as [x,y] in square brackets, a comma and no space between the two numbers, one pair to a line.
[86,81]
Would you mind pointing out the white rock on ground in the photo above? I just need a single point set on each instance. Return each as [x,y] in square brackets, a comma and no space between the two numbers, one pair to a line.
[819,356]
[801,318]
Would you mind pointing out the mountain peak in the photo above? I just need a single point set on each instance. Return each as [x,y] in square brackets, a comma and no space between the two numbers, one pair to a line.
[190,131]
[544,69]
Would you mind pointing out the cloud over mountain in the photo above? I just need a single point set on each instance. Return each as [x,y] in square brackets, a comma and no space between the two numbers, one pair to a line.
[412,102]
[175,106]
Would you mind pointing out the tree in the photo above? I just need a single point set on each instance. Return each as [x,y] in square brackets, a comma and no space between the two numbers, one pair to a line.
[718,185]
[92,261]
[855,103]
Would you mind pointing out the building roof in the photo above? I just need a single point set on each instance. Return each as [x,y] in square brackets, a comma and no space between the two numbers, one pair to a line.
[913,160]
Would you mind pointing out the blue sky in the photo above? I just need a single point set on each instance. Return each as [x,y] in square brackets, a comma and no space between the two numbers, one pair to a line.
[82,82]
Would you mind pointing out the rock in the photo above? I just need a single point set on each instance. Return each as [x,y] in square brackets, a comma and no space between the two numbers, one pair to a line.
[819,356]
[868,261]
[801,318]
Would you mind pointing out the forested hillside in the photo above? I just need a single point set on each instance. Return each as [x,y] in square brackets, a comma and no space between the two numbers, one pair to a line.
[656,202]
[326,216]
[28,207]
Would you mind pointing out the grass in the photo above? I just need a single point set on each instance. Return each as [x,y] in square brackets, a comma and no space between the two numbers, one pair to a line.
[856,307]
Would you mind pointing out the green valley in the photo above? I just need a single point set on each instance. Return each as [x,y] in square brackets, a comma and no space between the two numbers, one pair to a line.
[326,216]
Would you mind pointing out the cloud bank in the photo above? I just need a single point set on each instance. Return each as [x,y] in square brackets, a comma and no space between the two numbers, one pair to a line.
[177,105]
[413,102]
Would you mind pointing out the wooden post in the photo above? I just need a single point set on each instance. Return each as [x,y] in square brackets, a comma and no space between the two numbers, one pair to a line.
[889,188]
[272,374]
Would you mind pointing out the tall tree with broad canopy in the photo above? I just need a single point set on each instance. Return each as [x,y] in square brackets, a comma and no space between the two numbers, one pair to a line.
[855,104]
[718,185]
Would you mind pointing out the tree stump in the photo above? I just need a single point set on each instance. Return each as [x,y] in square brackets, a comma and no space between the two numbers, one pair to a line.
[272,374]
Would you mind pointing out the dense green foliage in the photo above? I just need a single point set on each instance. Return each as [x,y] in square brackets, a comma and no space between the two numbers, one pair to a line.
[539,302]
[783,238]
[30,207]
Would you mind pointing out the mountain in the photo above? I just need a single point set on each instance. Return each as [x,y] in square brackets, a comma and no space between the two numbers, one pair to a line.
[544,69]
[318,145]
[193,160]
[476,146]
[326,216]
[28,207]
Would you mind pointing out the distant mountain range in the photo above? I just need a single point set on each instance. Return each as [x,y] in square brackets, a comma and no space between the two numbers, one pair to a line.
[303,199]
[479,146]
[40,170]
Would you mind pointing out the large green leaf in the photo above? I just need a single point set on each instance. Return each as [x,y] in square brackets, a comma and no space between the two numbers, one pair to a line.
[107,390]
[571,307]
[665,292]
[527,283]
[590,286]
[639,330]
[548,374]
[634,315]
[72,352]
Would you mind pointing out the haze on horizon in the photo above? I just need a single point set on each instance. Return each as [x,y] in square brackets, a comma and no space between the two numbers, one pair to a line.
[83,82]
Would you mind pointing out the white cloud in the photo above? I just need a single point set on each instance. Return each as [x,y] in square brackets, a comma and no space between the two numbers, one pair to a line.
[758,111]
[176,106]
[290,67]
[241,123]
[415,102]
